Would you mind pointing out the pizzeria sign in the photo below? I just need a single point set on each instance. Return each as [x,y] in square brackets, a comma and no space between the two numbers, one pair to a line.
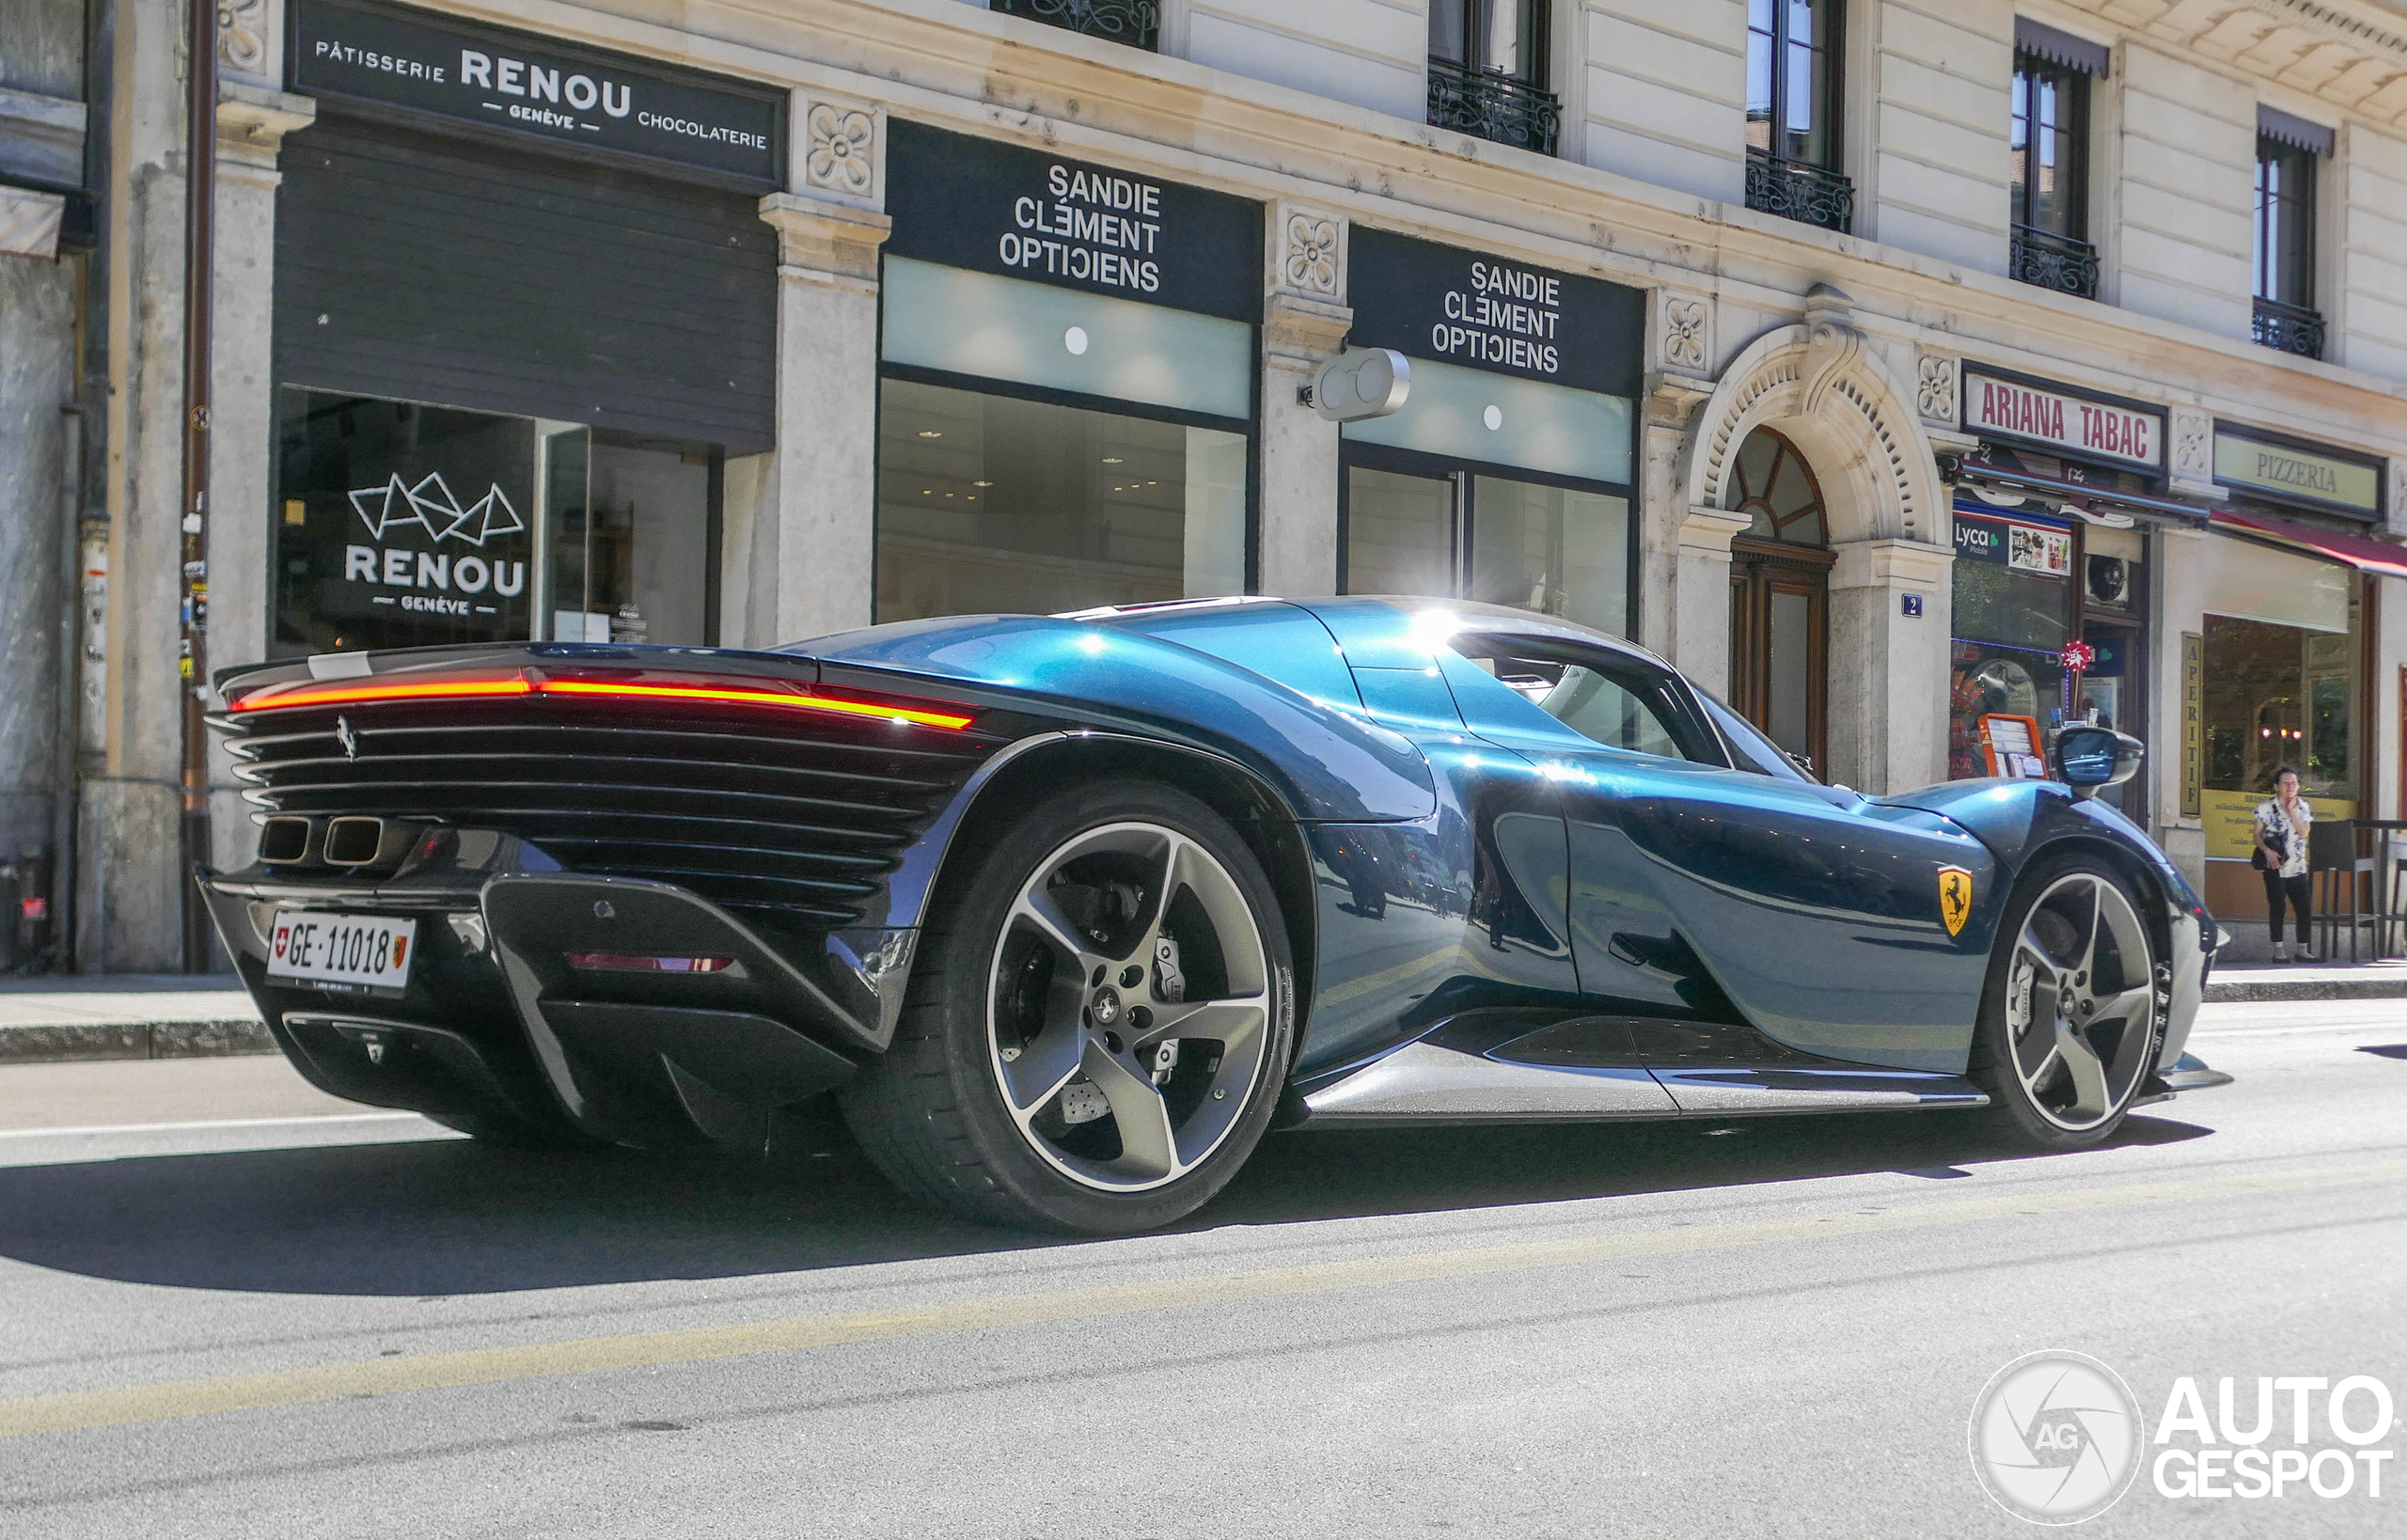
[2086,426]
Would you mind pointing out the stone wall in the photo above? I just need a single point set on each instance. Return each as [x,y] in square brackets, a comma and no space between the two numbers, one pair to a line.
[2187,193]
[1935,115]
[1661,93]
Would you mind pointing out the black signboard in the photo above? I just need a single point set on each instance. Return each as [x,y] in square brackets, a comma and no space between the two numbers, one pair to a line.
[1458,307]
[524,87]
[998,208]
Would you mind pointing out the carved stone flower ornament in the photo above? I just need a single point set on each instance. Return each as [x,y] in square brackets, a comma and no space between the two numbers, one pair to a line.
[841,146]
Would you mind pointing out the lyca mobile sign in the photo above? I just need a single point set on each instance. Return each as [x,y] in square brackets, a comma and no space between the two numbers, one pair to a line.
[390,58]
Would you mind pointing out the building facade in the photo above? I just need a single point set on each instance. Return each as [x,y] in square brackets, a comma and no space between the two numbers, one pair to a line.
[1917,377]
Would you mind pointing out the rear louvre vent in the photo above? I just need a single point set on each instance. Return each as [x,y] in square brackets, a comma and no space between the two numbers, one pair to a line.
[794,820]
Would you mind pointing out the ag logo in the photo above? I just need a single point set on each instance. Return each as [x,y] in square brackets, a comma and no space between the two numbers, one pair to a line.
[2056,1437]
[1955,898]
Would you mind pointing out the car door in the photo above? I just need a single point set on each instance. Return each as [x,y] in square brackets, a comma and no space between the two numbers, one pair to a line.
[1704,890]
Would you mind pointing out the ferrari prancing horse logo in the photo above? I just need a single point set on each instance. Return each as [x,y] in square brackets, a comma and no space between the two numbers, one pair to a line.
[1955,898]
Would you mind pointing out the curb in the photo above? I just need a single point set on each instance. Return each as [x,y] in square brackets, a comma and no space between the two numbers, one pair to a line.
[2252,991]
[134,1039]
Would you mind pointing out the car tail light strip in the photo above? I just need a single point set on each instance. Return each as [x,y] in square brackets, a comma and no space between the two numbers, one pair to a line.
[279,697]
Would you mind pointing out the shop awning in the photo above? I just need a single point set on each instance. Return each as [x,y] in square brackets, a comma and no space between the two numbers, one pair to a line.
[2370,556]
[2079,496]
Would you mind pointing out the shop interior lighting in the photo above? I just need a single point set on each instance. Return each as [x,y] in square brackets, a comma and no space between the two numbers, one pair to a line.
[280,697]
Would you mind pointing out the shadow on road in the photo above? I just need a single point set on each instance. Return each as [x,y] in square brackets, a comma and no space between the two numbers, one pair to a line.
[452,1217]
[2388,1050]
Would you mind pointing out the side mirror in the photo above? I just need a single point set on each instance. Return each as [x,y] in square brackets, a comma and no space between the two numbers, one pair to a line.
[2088,758]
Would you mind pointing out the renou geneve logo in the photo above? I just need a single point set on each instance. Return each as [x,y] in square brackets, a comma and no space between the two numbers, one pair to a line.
[431,506]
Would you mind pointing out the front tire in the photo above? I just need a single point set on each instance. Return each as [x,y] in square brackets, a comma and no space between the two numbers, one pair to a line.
[1099,1021]
[2070,1013]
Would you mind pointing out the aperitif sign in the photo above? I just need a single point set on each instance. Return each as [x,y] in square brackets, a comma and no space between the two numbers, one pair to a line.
[2093,430]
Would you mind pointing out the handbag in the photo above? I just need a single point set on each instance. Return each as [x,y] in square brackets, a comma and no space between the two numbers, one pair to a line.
[2257,850]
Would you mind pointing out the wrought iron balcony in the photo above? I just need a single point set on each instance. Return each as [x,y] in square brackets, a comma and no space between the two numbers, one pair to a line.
[1794,190]
[2289,328]
[1136,22]
[2053,261]
[1493,106]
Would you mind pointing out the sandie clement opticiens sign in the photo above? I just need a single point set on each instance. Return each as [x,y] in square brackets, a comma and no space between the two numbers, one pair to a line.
[512,83]
[1055,219]
[1457,305]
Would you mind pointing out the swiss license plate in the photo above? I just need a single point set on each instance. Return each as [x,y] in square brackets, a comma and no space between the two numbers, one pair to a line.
[340,949]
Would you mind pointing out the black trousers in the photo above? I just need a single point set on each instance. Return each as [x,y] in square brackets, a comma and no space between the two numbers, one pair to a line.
[2295,888]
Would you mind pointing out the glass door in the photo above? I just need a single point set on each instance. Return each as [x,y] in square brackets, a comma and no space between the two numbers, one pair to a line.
[626,529]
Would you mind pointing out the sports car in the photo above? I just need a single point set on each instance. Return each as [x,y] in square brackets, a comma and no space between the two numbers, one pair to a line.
[1064,914]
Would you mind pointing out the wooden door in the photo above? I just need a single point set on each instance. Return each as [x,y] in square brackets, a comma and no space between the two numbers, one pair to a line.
[1779,644]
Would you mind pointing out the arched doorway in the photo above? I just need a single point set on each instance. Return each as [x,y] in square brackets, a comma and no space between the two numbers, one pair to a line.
[1780,584]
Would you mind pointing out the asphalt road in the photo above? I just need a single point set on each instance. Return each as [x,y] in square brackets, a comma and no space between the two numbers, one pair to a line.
[244,1316]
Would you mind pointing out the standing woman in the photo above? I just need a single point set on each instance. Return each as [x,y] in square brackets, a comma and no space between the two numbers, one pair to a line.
[2282,822]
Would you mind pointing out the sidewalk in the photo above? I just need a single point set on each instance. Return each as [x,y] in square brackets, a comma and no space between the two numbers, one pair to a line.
[2252,981]
[127,1016]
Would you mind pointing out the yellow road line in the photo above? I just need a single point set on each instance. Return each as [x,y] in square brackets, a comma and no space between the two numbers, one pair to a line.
[82,1409]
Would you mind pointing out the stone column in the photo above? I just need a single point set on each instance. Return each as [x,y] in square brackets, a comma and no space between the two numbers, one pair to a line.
[129,882]
[1699,630]
[1888,671]
[1305,321]
[252,122]
[1670,407]
[2177,603]
[814,524]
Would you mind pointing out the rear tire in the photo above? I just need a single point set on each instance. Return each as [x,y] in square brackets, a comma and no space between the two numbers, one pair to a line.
[2070,1014]
[1099,1021]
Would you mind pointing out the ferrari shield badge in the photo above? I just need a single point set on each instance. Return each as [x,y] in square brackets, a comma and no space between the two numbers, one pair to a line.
[1955,898]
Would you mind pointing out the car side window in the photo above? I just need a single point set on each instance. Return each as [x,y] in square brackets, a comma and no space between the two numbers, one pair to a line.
[1617,701]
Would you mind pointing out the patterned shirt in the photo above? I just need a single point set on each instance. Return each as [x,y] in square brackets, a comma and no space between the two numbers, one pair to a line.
[2293,828]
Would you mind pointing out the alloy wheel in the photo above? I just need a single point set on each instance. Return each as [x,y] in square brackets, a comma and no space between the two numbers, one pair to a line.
[2080,1003]
[1128,1008]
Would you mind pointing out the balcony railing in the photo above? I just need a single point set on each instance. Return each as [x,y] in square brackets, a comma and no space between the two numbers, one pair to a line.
[2289,328]
[2053,261]
[1794,190]
[1493,106]
[1136,22]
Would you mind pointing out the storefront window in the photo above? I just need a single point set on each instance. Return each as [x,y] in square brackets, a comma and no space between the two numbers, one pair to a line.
[2013,611]
[1556,550]
[990,503]
[2281,685]
[405,525]
[2276,696]
[401,525]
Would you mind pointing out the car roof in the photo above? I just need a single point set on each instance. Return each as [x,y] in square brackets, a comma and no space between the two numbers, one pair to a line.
[1471,612]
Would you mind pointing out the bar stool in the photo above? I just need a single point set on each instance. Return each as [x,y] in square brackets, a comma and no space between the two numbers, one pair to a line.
[2332,859]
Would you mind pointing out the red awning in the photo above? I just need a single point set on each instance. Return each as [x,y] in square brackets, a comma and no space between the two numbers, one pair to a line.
[2371,556]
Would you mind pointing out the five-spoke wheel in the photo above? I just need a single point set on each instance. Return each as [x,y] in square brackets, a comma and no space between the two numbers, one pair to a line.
[1131,1006]
[2070,1023]
[1099,1018]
